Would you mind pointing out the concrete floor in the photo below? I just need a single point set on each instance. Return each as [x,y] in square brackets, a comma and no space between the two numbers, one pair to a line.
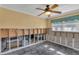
[45,48]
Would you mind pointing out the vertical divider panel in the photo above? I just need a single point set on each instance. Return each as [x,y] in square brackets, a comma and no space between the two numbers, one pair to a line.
[23,37]
[63,38]
[73,39]
[9,39]
[38,34]
[26,32]
[52,37]
[13,38]
[20,37]
[69,39]
[0,41]
[44,34]
[55,37]
[76,41]
[4,34]
[41,33]
[34,35]
[31,33]
[17,37]
[29,36]
[66,39]
[58,37]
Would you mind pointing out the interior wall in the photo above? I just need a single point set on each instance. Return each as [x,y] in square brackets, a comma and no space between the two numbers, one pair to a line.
[49,25]
[12,19]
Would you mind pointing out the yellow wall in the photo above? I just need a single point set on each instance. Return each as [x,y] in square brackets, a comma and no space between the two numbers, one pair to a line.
[12,19]
[49,25]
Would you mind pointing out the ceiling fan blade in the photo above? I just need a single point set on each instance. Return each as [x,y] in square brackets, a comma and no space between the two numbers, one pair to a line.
[41,13]
[56,12]
[40,9]
[54,6]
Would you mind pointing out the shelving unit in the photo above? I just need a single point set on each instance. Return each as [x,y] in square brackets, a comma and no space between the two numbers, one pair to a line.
[15,38]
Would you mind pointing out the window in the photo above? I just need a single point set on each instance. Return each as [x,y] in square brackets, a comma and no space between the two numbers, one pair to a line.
[69,26]
[70,23]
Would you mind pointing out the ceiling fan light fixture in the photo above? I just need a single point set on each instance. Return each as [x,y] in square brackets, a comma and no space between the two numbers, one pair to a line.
[47,13]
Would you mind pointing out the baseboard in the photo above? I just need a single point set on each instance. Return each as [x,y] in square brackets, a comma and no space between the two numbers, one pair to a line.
[64,45]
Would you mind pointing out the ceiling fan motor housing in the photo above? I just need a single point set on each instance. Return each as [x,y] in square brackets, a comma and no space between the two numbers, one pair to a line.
[47,8]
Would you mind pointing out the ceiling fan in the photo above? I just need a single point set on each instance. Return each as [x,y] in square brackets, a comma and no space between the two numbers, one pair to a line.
[49,9]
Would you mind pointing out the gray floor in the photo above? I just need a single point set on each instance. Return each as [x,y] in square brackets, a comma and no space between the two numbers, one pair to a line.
[45,48]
